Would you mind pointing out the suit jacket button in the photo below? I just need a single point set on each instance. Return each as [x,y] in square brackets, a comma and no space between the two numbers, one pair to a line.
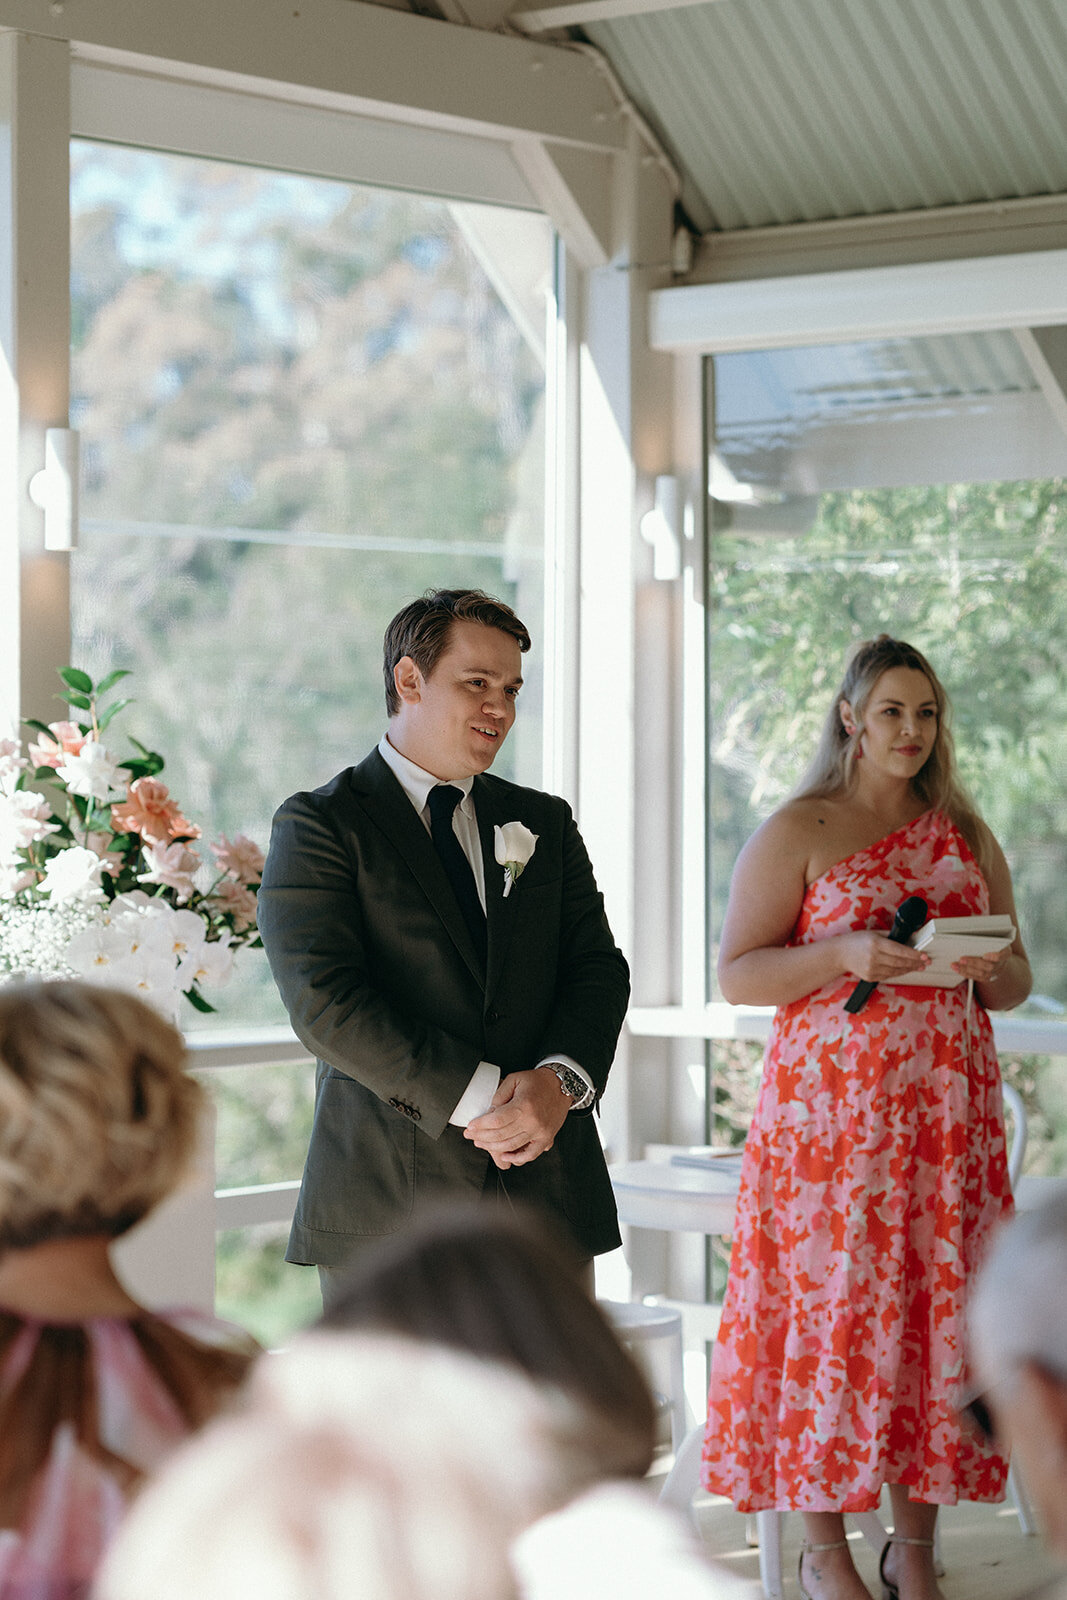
[492,1015]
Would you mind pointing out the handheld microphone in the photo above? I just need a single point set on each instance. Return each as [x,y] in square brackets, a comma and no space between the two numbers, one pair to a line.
[911,914]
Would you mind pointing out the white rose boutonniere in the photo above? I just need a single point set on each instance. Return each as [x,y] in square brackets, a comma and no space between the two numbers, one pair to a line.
[514,844]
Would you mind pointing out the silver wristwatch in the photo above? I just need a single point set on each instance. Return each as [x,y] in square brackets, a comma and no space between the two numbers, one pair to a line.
[572,1083]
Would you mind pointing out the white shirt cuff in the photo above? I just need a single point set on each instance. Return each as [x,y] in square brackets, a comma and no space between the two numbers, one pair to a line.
[590,1089]
[477,1097]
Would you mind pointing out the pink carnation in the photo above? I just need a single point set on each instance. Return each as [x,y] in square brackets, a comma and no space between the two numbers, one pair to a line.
[149,811]
[235,901]
[240,859]
[50,752]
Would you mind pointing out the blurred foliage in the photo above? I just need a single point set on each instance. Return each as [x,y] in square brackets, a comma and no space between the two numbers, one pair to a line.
[258,1289]
[974,575]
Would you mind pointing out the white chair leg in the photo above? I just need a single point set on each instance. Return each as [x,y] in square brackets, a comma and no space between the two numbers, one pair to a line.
[770,1552]
[683,1480]
[1017,1490]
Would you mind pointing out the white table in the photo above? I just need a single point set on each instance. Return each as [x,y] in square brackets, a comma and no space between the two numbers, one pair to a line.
[655,1194]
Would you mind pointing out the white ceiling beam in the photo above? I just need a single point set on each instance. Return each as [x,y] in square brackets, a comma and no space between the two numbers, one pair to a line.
[576,189]
[1045,350]
[369,59]
[889,239]
[921,299]
[573,13]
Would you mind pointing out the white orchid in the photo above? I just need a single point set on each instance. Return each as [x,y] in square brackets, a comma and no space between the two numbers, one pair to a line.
[211,964]
[93,773]
[74,874]
[513,845]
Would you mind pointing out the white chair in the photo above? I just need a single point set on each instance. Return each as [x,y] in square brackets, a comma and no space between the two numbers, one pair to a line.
[640,1325]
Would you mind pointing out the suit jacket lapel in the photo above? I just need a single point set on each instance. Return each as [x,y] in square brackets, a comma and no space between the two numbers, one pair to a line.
[390,809]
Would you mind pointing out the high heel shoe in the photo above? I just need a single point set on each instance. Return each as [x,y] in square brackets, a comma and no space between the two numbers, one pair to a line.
[891,1590]
[807,1549]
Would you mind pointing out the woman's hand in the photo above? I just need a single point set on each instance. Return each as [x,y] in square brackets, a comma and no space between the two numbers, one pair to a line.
[877,958]
[982,969]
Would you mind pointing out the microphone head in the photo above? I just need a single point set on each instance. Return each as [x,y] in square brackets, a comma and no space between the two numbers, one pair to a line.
[911,914]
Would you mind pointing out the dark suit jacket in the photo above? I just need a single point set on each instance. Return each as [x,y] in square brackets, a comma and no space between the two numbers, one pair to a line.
[383,984]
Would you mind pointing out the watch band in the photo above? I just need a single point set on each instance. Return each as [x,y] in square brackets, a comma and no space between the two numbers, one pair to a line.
[572,1084]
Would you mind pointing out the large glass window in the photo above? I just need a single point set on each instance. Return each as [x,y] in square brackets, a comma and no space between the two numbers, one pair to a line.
[916,487]
[301,403]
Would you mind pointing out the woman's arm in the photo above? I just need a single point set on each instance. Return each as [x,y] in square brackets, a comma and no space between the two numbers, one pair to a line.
[766,894]
[1002,980]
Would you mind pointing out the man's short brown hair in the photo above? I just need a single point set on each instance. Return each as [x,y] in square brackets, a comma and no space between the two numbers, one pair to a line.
[421,630]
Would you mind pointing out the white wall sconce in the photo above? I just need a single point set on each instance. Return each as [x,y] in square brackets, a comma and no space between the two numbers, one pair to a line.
[662,528]
[55,488]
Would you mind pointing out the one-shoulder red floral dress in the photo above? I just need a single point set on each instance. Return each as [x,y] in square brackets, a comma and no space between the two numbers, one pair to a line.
[873,1176]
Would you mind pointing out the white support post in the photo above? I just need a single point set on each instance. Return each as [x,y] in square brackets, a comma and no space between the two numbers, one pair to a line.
[34,364]
[626,791]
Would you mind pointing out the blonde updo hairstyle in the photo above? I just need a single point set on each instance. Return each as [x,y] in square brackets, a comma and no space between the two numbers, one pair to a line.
[937,784]
[98,1116]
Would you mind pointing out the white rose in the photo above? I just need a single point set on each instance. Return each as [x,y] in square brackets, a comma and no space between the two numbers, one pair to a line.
[93,773]
[12,765]
[513,845]
[74,874]
[23,821]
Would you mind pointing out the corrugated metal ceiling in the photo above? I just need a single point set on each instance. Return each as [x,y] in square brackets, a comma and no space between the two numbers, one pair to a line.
[782,111]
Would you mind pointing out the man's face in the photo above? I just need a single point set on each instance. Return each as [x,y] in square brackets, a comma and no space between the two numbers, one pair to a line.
[453,722]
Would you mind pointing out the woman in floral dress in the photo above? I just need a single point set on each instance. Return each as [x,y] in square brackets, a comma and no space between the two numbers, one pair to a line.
[875,1169]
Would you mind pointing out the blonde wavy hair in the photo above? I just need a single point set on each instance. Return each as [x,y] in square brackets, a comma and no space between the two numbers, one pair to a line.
[833,766]
[98,1116]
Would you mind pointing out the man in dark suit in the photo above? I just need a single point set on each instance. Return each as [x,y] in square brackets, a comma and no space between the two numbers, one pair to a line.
[441,946]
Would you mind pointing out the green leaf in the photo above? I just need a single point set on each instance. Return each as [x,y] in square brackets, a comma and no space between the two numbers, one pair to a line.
[72,698]
[112,678]
[42,727]
[197,1000]
[112,711]
[75,679]
[152,755]
[144,769]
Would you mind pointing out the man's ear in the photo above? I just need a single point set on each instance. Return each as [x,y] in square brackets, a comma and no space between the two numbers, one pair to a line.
[408,680]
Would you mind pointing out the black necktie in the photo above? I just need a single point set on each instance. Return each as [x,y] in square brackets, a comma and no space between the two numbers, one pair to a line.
[442,801]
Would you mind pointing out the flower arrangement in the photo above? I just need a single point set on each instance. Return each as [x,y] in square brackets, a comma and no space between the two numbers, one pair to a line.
[99,877]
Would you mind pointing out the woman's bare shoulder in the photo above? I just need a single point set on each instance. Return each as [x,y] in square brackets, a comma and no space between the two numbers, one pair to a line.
[790,834]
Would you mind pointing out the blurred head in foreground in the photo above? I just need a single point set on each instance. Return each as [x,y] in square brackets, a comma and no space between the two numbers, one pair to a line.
[496,1285]
[98,1117]
[1019,1344]
[361,1466]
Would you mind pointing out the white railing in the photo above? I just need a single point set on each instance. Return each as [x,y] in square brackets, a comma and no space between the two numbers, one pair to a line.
[273,1202]
[251,1047]
[1028,1035]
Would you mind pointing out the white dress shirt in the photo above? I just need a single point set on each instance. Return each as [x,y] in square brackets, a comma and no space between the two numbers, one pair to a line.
[416,783]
